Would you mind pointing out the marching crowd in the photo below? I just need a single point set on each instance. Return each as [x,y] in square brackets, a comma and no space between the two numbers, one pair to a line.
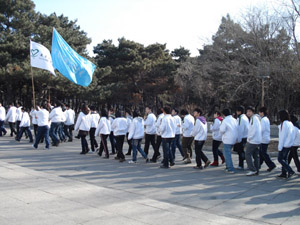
[246,133]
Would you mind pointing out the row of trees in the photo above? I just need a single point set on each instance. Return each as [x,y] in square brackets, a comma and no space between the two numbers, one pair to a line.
[257,56]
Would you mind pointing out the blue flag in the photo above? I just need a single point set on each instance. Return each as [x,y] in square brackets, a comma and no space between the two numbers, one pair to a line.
[69,63]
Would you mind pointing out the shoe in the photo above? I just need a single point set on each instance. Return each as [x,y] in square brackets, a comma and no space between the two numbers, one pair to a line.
[164,167]
[122,160]
[158,157]
[162,162]
[172,164]
[128,153]
[111,153]
[252,173]
[17,140]
[106,157]
[290,175]
[271,168]
[215,163]
[187,161]
[31,141]
[239,168]
[152,160]
[70,140]
[45,148]
[147,160]
[223,159]
[207,164]
[117,158]
[282,176]
[229,171]
[34,147]
[198,167]
[298,173]
[82,153]
[132,162]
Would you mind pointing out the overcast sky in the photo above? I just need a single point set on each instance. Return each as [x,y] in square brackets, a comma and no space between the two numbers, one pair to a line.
[187,23]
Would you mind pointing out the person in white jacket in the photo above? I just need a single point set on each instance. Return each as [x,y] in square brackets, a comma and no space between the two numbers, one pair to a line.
[167,130]
[83,126]
[42,117]
[150,130]
[11,117]
[19,117]
[228,130]
[136,134]
[120,127]
[285,143]
[95,117]
[294,150]
[254,142]
[55,117]
[103,129]
[34,120]
[112,139]
[199,133]
[2,119]
[177,140]
[243,125]
[69,123]
[265,139]
[129,121]
[217,139]
[24,126]
[158,141]
[187,138]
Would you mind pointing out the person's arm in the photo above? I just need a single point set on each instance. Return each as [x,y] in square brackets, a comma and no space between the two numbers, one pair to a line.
[223,127]
[215,126]
[8,114]
[131,130]
[162,126]
[196,128]
[98,128]
[78,122]
[282,134]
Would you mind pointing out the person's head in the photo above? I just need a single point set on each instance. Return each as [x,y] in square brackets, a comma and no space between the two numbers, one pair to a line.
[175,112]
[263,111]
[92,108]
[217,114]
[11,104]
[85,109]
[148,109]
[127,112]
[184,112]
[111,111]
[67,106]
[136,113]
[240,110]
[226,112]
[18,104]
[23,109]
[294,120]
[0,104]
[284,115]
[160,111]
[43,106]
[167,110]
[58,104]
[198,112]
[250,111]
[104,113]
[118,114]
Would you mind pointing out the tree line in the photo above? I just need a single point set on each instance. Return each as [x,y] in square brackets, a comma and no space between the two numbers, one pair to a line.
[246,60]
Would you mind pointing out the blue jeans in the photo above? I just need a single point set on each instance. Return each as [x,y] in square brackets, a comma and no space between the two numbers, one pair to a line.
[22,130]
[227,154]
[42,132]
[2,128]
[136,146]
[264,156]
[60,131]
[177,143]
[168,155]
[283,160]
[53,132]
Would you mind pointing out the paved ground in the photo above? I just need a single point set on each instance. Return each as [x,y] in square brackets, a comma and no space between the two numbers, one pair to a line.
[59,186]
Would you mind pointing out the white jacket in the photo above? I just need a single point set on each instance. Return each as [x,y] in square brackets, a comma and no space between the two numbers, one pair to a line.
[120,126]
[254,131]
[56,115]
[286,135]
[199,131]
[215,128]
[42,117]
[70,117]
[150,124]
[178,124]
[129,121]
[297,136]
[2,113]
[19,113]
[25,121]
[83,122]
[243,126]
[33,115]
[111,119]
[167,127]
[11,115]
[265,130]
[188,125]
[136,129]
[158,123]
[229,129]
[104,127]
[95,117]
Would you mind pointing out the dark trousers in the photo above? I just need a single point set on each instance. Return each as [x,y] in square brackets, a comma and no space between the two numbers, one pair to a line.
[12,129]
[53,133]
[294,155]
[156,149]
[18,126]
[129,144]
[215,149]
[103,144]
[283,160]
[264,156]
[112,142]
[60,132]
[2,128]
[119,146]
[239,148]
[149,138]
[35,127]
[27,130]
[168,156]
[177,143]
[92,139]
[84,144]
[42,132]
[199,153]
[187,147]
[68,131]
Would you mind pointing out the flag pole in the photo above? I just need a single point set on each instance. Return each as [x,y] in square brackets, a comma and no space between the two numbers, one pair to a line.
[33,94]
[49,88]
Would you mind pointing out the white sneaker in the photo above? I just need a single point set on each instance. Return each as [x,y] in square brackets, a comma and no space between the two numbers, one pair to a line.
[239,168]
[251,173]
[132,162]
